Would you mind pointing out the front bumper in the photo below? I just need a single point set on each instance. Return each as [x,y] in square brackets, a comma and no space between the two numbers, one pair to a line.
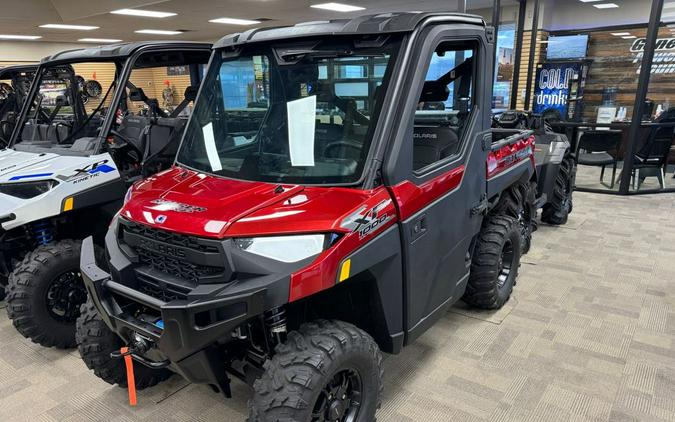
[192,328]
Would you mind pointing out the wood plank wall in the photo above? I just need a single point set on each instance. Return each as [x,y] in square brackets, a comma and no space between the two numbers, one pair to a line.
[539,56]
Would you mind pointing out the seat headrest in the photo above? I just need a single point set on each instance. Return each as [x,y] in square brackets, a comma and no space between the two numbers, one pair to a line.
[434,91]
[191,93]
[137,94]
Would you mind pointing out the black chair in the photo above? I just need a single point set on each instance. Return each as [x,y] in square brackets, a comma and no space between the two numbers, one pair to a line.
[652,158]
[600,148]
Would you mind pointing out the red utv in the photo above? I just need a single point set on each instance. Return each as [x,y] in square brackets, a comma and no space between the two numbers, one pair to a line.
[338,188]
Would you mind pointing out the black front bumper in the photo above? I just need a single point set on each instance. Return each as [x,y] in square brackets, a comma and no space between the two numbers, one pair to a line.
[192,328]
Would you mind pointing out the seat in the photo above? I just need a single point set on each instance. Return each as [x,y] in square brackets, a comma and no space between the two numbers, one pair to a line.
[133,130]
[600,148]
[652,158]
[189,96]
[161,143]
[432,144]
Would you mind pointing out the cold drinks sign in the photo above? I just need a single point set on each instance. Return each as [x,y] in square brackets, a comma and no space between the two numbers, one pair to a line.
[553,86]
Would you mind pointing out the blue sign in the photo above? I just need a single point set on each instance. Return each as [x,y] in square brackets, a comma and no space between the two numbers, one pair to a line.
[552,86]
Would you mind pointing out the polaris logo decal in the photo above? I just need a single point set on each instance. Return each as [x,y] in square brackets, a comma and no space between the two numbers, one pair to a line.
[366,221]
[166,205]
[161,248]
[160,219]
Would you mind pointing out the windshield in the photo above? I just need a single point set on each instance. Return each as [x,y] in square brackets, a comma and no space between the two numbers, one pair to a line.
[68,109]
[290,114]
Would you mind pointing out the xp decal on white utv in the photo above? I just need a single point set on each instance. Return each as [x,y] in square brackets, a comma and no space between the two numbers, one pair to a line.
[309,224]
[76,148]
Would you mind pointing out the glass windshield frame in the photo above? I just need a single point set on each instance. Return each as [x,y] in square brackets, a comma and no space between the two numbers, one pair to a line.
[389,49]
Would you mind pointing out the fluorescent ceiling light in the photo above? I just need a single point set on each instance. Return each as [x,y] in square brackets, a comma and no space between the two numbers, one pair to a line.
[620,34]
[338,7]
[606,6]
[99,40]
[629,37]
[158,32]
[20,37]
[234,21]
[144,13]
[589,1]
[63,26]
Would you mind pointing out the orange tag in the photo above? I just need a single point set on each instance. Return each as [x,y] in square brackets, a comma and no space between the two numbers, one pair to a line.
[131,381]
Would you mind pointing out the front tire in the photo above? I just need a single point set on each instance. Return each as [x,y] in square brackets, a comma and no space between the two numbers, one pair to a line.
[560,206]
[44,294]
[494,267]
[95,342]
[326,371]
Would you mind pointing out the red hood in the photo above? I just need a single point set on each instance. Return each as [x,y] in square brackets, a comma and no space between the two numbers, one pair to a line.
[189,202]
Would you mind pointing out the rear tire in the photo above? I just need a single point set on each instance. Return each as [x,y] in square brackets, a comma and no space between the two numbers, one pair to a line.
[557,210]
[322,370]
[494,267]
[44,294]
[95,342]
[518,202]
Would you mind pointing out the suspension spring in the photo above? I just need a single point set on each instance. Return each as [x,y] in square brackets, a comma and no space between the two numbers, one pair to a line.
[43,232]
[275,320]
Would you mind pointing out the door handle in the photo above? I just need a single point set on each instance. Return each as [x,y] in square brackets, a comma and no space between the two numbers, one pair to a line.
[418,228]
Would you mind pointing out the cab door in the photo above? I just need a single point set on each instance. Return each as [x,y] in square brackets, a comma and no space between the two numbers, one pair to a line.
[436,167]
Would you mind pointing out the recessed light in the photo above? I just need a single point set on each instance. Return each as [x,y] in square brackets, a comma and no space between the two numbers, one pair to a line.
[589,1]
[629,37]
[74,27]
[20,37]
[144,13]
[99,40]
[620,34]
[606,6]
[158,32]
[235,21]
[338,7]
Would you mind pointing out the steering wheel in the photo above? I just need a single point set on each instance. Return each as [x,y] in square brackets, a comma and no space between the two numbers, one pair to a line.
[126,144]
[341,144]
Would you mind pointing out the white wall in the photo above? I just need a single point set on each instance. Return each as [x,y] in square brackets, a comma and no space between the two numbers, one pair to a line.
[32,51]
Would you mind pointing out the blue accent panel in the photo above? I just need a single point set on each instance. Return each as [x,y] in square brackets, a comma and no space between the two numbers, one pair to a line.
[160,324]
[103,168]
[28,176]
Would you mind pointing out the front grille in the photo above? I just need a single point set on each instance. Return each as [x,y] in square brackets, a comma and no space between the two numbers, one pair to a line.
[162,291]
[179,256]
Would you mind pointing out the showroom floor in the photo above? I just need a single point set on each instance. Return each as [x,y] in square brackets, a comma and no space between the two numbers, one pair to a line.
[588,335]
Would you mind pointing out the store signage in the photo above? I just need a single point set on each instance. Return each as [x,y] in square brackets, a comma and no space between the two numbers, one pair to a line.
[664,55]
[553,86]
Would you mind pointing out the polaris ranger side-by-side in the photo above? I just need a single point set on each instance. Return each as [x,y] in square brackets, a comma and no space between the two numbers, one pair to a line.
[337,189]
[14,85]
[556,168]
[69,164]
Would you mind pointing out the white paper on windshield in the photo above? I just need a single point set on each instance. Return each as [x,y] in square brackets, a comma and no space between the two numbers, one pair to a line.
[211,150]
[301,115]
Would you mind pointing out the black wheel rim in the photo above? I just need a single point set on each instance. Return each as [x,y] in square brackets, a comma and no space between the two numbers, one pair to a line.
[506,264]
[65,295]
[341,399]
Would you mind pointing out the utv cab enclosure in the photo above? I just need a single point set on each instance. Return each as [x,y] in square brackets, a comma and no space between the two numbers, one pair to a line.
[336,191]
[15,82]
[85,133]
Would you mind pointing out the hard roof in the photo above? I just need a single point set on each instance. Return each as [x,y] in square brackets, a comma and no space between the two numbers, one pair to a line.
[7,72]
[368,24]
[115,51]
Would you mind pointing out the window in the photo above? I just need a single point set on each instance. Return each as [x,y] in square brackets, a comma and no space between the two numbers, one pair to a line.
[444,105]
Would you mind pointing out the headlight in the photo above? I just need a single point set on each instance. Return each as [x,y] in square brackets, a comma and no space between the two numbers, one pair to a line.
[27,190]
[127,196]
[284,248]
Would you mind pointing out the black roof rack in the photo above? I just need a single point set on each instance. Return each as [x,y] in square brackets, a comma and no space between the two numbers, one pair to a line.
[9,71]
[368,24]
[112,51]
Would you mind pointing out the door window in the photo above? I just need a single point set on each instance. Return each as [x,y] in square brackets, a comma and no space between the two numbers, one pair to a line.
[445,104]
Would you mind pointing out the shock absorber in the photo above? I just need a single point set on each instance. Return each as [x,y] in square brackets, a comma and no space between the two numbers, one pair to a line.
[43,231]
[275,320]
